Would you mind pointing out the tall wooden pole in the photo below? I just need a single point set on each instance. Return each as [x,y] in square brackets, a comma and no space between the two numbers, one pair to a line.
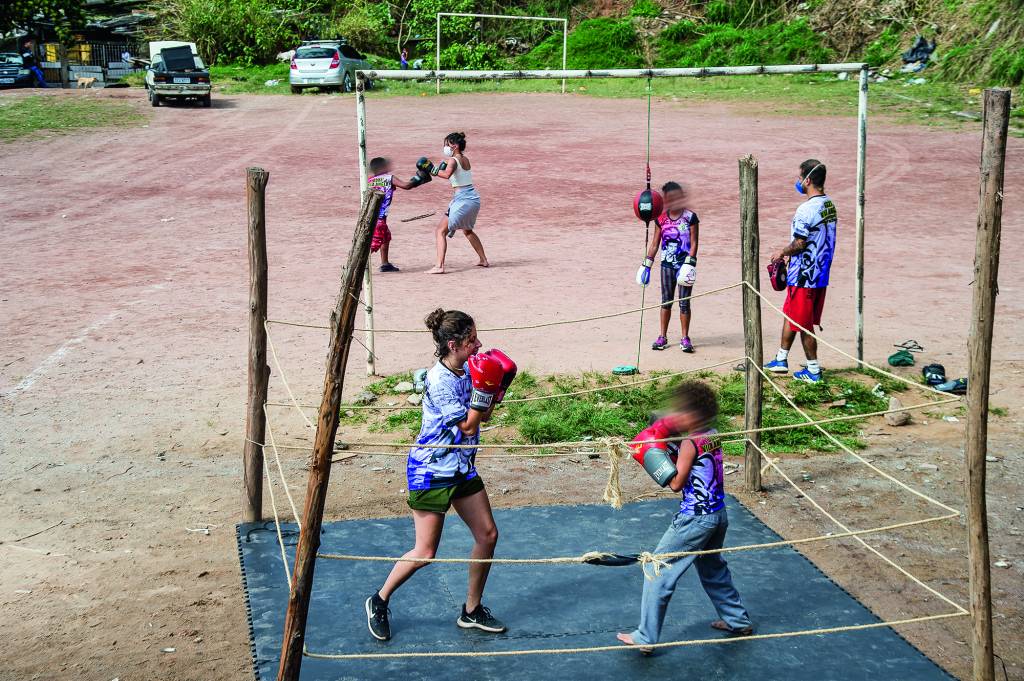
[371,358]
[862,145]
[750,246]
[979,359]
[259,372]
[342,323]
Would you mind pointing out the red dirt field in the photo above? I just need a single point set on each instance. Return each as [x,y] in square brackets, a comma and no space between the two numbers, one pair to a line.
[123,322]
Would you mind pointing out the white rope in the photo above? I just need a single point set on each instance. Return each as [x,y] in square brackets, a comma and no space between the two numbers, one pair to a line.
[277,457]
[277,522]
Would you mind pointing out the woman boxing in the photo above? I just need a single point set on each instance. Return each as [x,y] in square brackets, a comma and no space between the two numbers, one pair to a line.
[460,393]
[465,203]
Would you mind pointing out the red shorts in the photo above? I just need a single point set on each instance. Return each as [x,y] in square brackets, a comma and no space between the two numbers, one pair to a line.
[804,306]
[381,235]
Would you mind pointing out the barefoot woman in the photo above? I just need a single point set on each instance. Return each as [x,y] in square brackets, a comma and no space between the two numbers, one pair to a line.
[465,204]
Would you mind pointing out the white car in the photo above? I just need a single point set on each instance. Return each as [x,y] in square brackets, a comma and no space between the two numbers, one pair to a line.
[176,72]
[326,64]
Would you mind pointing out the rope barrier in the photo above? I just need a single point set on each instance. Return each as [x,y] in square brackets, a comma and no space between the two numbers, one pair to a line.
[280,468]
[610,648]
[280,371]
[884,474]
[527,327]
[277,521]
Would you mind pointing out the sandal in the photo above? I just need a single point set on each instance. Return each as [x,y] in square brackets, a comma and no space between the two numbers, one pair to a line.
[722,626]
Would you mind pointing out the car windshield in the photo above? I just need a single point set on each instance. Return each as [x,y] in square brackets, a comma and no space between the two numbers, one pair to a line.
[315,53]
[14,59]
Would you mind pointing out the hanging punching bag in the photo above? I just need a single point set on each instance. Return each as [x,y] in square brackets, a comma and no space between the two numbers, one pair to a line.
[648,205]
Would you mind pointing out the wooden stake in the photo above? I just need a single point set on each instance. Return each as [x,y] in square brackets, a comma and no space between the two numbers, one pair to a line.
[342,323]
[750,245]
[259,372]
[979,349]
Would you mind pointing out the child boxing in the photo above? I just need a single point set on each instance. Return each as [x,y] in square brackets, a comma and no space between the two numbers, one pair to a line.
[675,234]
[382,180]
[692,467]
[461,391]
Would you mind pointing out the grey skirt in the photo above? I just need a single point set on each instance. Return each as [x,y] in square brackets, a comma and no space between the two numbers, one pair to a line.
[463,209]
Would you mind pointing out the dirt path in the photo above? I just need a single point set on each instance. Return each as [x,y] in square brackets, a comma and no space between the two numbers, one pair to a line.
[123,335]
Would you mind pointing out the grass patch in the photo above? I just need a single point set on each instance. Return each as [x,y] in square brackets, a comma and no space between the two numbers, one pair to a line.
[238,78]
[622,412]
[998,411]
[21,117]
[688,44]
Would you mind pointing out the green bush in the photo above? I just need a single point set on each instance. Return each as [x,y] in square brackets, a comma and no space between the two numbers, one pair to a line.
[1007,66]
[725,45]
[885,47]
[645,8]
[593,44]
[479,56]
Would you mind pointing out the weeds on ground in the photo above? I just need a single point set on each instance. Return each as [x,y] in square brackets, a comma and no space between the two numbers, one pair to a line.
[62,113]
[612,411]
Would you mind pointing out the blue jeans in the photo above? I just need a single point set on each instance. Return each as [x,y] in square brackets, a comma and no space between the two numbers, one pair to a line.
[691,533]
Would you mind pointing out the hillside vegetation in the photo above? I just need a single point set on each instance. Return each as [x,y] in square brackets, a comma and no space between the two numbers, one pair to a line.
[980,42]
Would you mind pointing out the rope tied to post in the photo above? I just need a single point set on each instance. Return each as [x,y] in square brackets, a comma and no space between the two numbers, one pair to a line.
[616,453]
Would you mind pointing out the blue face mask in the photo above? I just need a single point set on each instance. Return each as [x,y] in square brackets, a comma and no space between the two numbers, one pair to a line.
[800,187]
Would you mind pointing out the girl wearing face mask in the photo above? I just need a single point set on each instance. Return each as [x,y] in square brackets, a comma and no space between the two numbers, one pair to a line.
[465,203]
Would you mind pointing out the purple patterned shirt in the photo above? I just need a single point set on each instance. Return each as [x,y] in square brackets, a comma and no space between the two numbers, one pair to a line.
[704,492]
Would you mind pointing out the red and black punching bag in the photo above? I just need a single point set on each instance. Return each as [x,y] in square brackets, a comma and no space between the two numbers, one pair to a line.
[648,205]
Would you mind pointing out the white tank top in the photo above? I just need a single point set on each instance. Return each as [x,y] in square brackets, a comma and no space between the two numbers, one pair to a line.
[461,178]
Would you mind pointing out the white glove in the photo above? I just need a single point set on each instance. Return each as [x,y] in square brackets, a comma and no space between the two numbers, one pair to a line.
[643,275]
[688,272]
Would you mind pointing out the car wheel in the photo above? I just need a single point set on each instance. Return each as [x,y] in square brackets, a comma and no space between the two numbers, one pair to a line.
[346,83]
[296,90]
[206,101]
[154,98]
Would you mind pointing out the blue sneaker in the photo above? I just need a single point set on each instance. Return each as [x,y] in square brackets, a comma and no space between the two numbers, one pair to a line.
[806,376]
[778,366]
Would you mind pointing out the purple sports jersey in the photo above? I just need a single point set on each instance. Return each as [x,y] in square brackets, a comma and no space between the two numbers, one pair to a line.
[705,490]
[675,236]
[382,183]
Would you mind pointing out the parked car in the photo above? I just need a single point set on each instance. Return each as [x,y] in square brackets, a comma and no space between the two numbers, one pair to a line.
[326,64]
[176,72]
[13,72]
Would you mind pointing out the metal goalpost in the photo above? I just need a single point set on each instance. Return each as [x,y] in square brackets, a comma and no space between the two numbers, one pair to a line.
[862,118]
[437,42]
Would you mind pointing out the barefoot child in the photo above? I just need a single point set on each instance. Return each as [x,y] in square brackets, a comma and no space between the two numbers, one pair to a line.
[693,467]
[384,181]
[465,204]
[675,234]
[460,393]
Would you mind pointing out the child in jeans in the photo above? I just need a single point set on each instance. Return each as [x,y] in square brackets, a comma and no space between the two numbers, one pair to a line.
[701,521]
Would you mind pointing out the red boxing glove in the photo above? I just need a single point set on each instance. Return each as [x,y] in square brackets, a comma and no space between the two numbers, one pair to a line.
[486,374]
[655,456]
[507,366]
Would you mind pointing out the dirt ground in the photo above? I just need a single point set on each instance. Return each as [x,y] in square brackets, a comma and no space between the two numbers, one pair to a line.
[123,322]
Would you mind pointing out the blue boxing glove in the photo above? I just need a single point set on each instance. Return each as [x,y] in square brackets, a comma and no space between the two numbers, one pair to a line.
[643,275]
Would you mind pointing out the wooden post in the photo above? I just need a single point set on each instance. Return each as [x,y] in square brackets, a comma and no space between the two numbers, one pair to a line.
[259,372]
[979,358]
[750,246]
[342,323]
[371,359]
[862,145]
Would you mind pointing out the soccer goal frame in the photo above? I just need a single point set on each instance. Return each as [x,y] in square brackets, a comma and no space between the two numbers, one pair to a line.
[862,116]
[437,42]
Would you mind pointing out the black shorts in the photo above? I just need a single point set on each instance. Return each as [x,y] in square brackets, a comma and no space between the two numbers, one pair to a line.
[669,277]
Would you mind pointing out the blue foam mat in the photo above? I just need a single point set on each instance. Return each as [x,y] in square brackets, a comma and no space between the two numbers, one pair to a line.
[560,606]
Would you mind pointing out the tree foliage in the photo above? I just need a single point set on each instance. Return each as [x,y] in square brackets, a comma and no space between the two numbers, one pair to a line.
[66,15]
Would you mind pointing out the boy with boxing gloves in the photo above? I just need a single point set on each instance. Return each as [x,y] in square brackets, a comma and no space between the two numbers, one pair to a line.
[675,234]
[382,180]
[460,392]
[691,465]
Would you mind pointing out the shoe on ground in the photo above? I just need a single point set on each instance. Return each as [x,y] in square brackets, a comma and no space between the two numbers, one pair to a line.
[480,618]
[778,366]
[806,376]
[389,268]
[686,345]
[660,344]
[377,618]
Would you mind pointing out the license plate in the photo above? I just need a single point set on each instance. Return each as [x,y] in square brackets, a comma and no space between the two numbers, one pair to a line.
[183,81]
[6,80]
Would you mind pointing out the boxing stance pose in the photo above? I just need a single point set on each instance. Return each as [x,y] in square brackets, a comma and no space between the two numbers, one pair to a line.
[693,467]
[461,391]
[465,203]
[675,233]
[384,181]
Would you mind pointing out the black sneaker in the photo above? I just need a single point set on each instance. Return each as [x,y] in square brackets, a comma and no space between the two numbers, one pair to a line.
[377,617]
[389,268]
[481,618]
